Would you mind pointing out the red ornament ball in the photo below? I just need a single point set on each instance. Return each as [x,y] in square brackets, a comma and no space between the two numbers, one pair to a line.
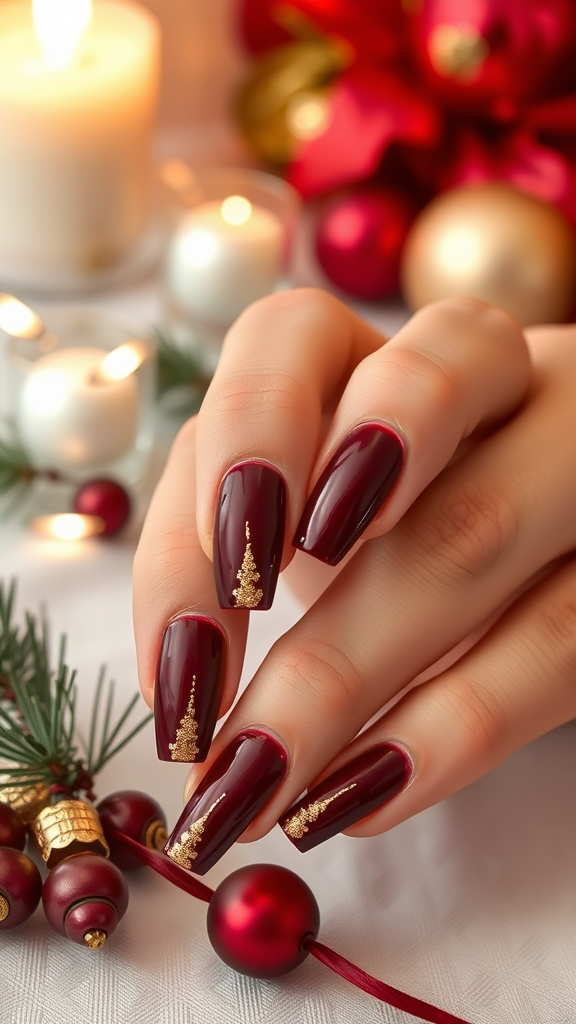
[138,816]
[258,919]
[12,828]
[20,887]
[107,499]
[492,55]
[84,898]
[359,240]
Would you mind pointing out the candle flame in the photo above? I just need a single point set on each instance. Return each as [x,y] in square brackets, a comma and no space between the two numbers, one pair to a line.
[59,26]
[19,320]
[121,362]
[67,526]
[236,210]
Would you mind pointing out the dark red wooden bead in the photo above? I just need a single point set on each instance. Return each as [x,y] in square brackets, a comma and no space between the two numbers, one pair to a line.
[107,499]
[90,881]
[12,828]
[140,817]
[20,887]
[259,918]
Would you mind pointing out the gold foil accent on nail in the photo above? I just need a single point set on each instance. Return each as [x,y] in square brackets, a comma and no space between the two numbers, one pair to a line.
[185,747]
[184,851]
[246,595]
[4,908]
[156,836]
[96,938]
[67,828]
[296,826]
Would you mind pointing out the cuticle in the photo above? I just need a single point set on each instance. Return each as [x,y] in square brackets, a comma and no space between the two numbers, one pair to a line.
[199,616]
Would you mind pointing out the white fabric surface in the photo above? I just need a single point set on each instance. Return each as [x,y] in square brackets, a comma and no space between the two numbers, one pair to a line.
[470,905]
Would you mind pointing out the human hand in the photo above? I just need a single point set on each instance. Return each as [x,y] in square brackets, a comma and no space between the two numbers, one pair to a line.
[408,595]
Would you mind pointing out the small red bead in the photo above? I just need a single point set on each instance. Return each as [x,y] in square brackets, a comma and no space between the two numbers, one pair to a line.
[136,814]
[20,887]
[87,879]
[107,499]
[259,918]
[12,828]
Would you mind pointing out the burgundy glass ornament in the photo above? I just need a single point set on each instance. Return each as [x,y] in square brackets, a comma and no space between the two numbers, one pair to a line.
[106,499]
[84,898]
[138,816]
[12,828]
[258,919]
[20,887]
[359,240]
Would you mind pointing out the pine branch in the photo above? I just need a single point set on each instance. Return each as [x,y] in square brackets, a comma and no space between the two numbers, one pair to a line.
[16,471]
[179,371]
[38,737]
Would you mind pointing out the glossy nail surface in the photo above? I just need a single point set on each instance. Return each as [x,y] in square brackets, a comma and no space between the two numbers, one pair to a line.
[249,536]
[349,794]
[350,492]
[189,683]
[233,791]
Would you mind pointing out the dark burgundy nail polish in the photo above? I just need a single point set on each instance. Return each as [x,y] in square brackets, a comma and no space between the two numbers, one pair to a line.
[351,793]
[189,683]
[249,536]
[350,492]
[235,788]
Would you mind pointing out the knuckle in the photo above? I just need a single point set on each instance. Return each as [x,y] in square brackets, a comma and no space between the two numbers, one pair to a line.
[556,633]
[255,392]
[294,302]
[480,721]
[471,531]
[321,674]
[422,374]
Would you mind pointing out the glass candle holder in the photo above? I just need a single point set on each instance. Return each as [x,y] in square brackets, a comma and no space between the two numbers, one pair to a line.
[231,243]
[82,396]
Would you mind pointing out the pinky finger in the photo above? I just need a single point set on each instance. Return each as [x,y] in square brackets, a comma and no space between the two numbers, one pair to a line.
[514,685]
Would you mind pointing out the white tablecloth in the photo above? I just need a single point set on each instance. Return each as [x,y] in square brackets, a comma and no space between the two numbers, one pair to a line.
[471,905]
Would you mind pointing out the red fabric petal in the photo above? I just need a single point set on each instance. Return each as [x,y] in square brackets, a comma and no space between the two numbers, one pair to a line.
[370,110]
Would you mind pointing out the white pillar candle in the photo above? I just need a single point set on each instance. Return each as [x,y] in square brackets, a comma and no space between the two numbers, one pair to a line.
[222,257]
[75,135]
[68,420]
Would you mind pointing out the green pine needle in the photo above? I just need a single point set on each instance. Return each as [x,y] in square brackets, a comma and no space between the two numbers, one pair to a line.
[181,376]
[38,737]
[16,471]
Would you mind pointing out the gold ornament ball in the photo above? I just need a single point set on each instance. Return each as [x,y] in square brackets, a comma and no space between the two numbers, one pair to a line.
[494,243]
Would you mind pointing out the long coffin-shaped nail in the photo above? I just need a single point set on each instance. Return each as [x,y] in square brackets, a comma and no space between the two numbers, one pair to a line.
[249,536]
[188,692]
[350,492]
[351,793]
[235,788]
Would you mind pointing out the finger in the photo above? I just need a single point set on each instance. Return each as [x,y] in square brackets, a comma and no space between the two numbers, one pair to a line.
[456,366]
[405,599]
[284,362]
[515,685]
[189,651]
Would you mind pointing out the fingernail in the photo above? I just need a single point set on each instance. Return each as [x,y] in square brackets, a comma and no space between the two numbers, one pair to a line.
[350,492]
[235,788]
[351,793]
[249,536]
[189,683]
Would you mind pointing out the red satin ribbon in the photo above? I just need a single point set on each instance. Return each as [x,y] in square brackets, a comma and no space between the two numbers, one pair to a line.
[329,957]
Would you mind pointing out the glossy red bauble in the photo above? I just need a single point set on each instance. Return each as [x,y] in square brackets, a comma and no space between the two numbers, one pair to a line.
[12,828]
[20,887]
[138,816]
[84,897]
[106,499]
[258,919]
[490,56]
[359,239]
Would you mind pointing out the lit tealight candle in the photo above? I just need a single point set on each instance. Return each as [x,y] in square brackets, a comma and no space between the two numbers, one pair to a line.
[77,98]
[18,320]
[223,256]
[78,407]
[67,526]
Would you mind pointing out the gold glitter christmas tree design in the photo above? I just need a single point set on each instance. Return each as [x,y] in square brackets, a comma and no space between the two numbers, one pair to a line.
[246,595]
[184,851]
[296,826]
[185,747]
